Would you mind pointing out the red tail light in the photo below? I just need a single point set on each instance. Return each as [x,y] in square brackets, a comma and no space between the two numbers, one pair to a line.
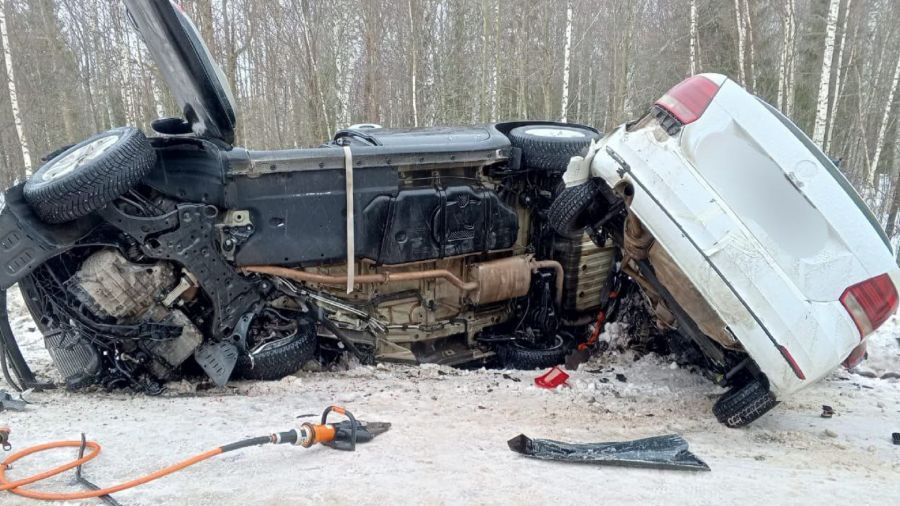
[689,99]
[870,303]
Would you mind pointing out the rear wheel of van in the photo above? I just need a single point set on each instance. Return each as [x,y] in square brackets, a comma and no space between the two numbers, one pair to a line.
[550,146]
[744,404]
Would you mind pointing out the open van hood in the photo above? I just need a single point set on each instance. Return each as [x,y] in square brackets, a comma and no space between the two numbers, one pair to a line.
[196,81]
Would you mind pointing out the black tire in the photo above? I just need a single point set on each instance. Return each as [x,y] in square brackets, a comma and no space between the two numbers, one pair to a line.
[280,359]
[543,150]
[744,404]
[67,188]
[515,355]
[571,210]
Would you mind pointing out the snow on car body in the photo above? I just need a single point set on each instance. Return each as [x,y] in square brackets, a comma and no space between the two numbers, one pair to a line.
[760,221]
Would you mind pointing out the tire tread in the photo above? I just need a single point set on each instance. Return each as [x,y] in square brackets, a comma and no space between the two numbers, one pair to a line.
[568,206]
[742,405]
[94,185]
[279,361]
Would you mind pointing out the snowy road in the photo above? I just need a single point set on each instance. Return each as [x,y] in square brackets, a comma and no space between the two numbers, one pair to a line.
[448,443]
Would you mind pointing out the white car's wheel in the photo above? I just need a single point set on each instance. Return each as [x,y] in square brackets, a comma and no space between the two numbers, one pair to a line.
[744,404]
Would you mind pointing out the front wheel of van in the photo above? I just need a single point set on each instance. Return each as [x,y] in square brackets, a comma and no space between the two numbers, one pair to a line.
[89,175]
[744,404]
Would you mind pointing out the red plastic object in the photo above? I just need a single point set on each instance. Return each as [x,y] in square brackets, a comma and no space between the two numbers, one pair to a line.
[552,378]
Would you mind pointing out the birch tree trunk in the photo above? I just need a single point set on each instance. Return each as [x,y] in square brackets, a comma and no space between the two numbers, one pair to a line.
[496,62]
[693,43]
[566,61]
[413,61]
[838,71]
[786,65]
[825,79]
[890,225]
[13,97]
[740,33]
[879,139]
[313,65]
[792,65]
[750,46]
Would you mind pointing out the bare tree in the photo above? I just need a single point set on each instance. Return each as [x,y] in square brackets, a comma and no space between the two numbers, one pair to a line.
[741,34]
[882,128]
[750,45]
[836,96]
[825,79]
[693,41]
[11,86]
[566,61]
[413,61]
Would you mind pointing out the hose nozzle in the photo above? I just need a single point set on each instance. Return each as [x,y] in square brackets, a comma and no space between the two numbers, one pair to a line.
[340,436]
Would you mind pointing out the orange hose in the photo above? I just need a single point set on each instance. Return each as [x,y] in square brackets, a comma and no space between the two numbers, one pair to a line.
[15,486]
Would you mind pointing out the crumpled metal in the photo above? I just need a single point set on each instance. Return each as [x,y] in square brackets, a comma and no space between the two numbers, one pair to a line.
[659,452]
[7,401]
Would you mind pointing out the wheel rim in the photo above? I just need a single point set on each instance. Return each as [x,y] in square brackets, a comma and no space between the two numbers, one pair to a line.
[561,133]
[78,157]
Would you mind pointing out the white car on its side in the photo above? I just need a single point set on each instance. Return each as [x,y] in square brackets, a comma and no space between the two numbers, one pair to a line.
[747,233]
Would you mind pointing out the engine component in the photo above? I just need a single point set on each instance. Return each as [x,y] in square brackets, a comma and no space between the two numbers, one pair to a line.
[77,360]
[186,236]
[186,289]
[109,285]
[586,268]
[171,353]
[428,223]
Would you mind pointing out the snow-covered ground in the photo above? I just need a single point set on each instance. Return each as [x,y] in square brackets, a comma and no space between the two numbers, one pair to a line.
[448,442]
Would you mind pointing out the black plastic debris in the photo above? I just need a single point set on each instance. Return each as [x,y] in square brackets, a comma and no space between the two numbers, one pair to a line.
[7,401]
[659,452]
[896,438]
[827,411]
